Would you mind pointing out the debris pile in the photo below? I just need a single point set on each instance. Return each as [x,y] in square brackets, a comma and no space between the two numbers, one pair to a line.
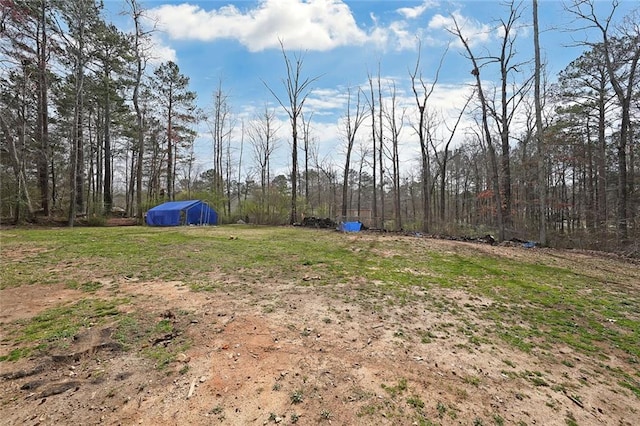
[485,239]
[317,222]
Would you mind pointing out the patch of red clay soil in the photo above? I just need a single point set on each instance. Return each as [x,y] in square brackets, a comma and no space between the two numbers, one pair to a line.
[18,303]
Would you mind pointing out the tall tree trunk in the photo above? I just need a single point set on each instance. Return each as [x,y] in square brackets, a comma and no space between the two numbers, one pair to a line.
[22,194]
[131,184]
[623,191]
[293,217]
[92,189]
[487,134]
[397,207]
[623,86]
[107,191]
[228,176]
[99,156]
[43,111]
[359,199]
[505,158]
[374,199]
[602,159]
[421,103]
[590,198]
[345,184]
[306,126]
[353,121]
[297,93]
[542,173]
[140,154]
[80,172]
[77,141]
[239,186]
[380,150]
[632,170]
[395,128]
[76,178]
[624,98]
[136,15]
[169,194]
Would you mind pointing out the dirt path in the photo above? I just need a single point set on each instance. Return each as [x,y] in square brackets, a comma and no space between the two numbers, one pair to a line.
[279,353]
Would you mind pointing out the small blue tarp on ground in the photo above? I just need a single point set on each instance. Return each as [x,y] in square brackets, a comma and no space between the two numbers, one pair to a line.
[176,213]
[350,226]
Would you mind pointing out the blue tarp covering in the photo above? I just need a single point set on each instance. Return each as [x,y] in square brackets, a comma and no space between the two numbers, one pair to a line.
[350,226]
[175,213]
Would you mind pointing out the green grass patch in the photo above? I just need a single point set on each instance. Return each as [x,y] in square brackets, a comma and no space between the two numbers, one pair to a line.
[539,303]
[396,390]
[630,383]
[65,321]
[415,402]
[472,380]
[56,326]
[16,354]
[160,340]
[89,286]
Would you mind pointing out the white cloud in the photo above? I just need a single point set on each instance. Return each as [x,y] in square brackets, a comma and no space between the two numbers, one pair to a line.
[517,30]
[380,36]
[326,101]
[449,98]
[312,24]
[159,52]
[405,39]
[417,11]
[472,30]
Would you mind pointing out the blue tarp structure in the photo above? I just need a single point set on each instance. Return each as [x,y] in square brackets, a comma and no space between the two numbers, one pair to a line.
[176,213]
[350,226]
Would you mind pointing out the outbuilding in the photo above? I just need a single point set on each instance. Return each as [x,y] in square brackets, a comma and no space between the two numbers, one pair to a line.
[176,213]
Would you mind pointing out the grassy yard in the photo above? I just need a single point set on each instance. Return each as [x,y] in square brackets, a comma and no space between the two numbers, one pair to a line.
[532,301]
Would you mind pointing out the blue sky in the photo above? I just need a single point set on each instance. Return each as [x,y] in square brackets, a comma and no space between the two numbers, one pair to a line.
[340,42]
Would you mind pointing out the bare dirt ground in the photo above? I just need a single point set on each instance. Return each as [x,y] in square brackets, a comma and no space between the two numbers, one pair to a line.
[280,353]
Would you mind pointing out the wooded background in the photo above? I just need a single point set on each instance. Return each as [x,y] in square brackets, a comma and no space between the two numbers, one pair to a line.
[81,104]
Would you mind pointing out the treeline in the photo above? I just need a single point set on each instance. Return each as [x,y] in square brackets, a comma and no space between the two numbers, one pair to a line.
[82,106]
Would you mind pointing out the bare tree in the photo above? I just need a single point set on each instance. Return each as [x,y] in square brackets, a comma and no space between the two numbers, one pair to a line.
[351,123]
[502,111]
[542,175]
[442,161]
[298,90]
[330,173]
[486,135]
[238,182]
[262,134]
[395,123]
[372,106]
[509,100]
[377,141]
[227,170]
[421,102]
[364,154]
[220,128]
[381,148]
[306,138]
